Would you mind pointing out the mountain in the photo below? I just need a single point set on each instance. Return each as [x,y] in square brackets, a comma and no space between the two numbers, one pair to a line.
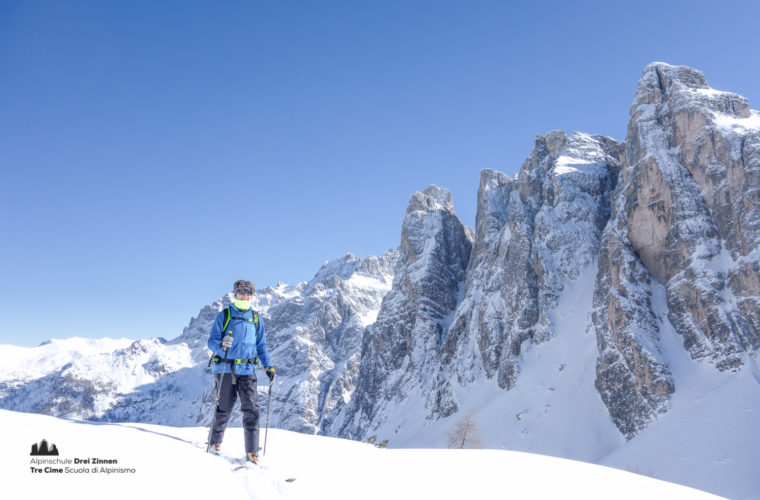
[315,335]
[87,378]
[609,305]
[402,346]
[663,228]
[681,247]
[534,234]
[314,330]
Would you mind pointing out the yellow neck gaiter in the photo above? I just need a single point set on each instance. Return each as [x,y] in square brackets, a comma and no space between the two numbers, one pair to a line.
[243,305]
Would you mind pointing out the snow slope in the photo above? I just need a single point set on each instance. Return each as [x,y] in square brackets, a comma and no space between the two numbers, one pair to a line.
[709,438]
[170,462]
[553,408]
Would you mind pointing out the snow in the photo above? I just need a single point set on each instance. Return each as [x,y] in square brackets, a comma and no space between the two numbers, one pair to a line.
[171,462]
[710,92]
[54,354]
[122,362]
[361,283]
[581,155]
[728,123]
[708,439]
[554,408]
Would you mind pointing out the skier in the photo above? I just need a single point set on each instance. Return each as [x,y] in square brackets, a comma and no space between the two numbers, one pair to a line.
[237,338]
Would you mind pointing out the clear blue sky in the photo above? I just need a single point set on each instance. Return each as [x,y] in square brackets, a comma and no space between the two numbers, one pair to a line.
[152,152]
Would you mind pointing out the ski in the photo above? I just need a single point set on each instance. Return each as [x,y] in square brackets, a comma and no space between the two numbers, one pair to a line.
[246,465]
[238,464]
[241,463]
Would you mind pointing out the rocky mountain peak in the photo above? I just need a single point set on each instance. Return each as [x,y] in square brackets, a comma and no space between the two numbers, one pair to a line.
[685,226]
[681,90]
[664,77]
[533,235]
[431,199]
[412,322]
[349,265]
[554,142]
[493,198]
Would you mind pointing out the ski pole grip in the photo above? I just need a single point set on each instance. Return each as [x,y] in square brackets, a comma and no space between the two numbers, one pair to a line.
[225,344]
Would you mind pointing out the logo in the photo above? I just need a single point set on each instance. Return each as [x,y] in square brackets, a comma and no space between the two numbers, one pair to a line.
[46,460]
[44,449]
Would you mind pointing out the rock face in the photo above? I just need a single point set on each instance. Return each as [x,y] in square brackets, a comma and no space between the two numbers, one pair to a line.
[533,234]
[316,335]
[685,217]
[402,346]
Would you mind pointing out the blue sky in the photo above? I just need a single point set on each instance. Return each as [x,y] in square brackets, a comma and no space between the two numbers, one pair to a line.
[152,152]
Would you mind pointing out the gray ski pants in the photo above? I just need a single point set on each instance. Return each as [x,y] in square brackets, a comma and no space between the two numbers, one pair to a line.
[245,387]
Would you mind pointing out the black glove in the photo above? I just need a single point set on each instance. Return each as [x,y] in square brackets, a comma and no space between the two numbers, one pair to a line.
[269,370]
[227,342]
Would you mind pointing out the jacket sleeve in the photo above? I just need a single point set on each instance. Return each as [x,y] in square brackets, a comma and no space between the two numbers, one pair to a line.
[215,337]
[261,344]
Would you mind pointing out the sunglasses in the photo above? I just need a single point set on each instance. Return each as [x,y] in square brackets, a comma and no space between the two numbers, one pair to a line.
[244,290]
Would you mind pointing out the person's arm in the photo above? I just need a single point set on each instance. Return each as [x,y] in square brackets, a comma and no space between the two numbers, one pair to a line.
[261,344]
[215,337]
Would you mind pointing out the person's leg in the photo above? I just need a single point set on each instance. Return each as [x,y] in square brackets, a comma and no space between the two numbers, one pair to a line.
[227,398]
[251,412]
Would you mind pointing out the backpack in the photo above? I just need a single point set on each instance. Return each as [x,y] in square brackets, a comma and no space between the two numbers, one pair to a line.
[228,316]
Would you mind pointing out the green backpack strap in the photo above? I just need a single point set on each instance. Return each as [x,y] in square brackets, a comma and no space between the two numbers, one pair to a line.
[226,319]
[228,315]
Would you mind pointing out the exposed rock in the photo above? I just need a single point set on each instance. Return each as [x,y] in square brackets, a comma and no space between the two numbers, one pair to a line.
[684,216]
[532,235]
[404,343]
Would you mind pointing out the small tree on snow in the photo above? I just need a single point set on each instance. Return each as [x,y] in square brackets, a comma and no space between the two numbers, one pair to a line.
[464,434]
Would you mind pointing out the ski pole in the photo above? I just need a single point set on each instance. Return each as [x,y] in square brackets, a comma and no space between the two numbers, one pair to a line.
[216,405]
[269,404]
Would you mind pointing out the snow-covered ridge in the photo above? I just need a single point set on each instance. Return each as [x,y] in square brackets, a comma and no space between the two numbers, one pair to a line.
[84,378]
[582,155]
[54,354]
[317,325]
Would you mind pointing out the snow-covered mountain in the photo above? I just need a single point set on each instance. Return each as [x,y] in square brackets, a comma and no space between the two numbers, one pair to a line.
[314,330]
[605,308]
[665,226]
[681,247]
[402,347]
[535,234]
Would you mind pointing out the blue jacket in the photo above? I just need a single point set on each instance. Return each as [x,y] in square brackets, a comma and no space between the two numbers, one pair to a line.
[248,341]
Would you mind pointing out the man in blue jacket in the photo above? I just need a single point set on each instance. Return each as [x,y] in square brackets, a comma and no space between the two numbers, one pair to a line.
[238,335]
